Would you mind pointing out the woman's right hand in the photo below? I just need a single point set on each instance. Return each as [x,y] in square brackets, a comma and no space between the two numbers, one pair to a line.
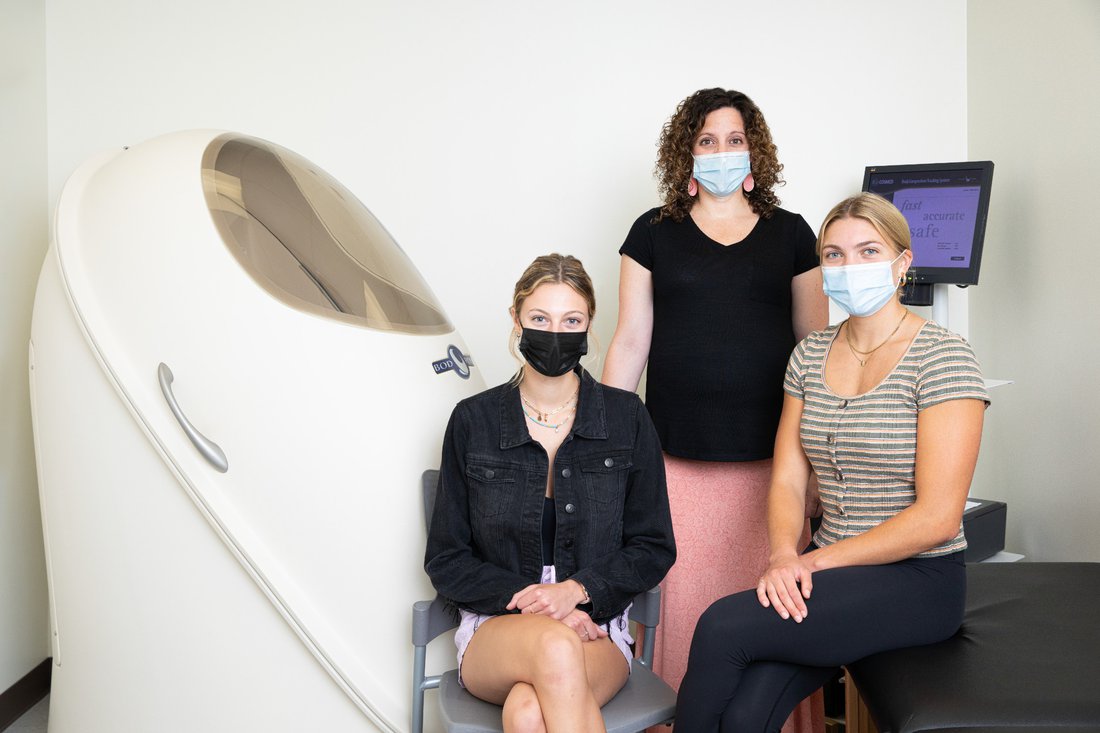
[786,585]
[583,624]
[555,600]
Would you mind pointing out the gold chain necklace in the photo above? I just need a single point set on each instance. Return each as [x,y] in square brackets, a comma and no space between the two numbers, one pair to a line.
[867,354]
[532,418]
[543,416]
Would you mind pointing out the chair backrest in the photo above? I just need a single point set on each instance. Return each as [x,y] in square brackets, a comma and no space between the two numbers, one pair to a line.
[430,618]
[429,484]
[647,612]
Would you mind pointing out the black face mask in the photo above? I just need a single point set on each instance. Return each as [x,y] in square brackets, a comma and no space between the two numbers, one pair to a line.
[553,353]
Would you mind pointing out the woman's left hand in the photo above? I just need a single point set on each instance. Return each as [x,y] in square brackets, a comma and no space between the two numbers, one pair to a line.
[556,600]
[786,585]
[583,624]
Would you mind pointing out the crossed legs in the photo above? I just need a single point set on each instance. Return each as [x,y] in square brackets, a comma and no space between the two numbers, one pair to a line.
[547,678]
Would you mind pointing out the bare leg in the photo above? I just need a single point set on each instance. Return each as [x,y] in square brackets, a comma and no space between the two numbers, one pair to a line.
[571,679]
[522,713]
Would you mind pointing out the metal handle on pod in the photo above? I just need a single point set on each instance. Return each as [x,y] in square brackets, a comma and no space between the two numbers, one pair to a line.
[208,448]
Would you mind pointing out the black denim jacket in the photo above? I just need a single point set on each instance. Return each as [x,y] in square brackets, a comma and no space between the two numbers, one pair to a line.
[614,532]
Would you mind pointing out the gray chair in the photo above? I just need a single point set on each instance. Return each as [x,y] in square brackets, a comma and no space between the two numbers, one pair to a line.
[645,700]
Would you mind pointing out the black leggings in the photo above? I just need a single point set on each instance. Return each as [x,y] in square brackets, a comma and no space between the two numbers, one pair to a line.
[749,668]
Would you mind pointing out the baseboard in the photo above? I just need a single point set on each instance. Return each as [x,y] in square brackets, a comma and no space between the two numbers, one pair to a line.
[24,694]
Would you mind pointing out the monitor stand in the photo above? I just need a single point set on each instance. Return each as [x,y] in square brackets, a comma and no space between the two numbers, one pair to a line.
[917,294]
[948,304]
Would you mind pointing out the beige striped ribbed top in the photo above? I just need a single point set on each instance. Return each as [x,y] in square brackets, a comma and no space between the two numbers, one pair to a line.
[863,448]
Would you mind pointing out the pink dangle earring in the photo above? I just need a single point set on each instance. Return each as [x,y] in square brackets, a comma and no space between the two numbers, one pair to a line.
[749,184]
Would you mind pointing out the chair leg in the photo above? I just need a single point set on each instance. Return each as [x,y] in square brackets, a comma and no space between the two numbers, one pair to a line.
[418,690]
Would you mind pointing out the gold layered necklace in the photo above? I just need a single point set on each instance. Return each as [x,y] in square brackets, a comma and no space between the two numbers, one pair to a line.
[542,417]
[867,354]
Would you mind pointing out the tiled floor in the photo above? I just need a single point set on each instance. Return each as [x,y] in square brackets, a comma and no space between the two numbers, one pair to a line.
[34,720]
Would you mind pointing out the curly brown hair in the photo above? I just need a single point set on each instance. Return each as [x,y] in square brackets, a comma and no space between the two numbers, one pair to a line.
[675,161]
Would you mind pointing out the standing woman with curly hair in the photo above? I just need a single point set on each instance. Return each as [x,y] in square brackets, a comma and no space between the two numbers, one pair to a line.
[716,288]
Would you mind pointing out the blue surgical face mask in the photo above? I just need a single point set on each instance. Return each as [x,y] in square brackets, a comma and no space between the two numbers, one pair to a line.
[861,290]
[722,173]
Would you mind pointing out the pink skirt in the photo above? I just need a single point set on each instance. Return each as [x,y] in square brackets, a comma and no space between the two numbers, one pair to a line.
[719,514]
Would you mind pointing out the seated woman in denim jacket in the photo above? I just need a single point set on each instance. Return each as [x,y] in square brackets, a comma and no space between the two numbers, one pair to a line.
[551,516]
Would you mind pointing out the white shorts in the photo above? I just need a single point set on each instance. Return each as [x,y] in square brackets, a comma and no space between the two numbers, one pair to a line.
[618,628]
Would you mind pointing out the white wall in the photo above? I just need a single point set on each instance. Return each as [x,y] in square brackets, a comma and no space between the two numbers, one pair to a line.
[23,607]
[482,134]
[1034,101]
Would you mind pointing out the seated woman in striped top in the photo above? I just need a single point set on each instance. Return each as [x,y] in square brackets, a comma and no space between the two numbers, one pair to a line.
[886,409]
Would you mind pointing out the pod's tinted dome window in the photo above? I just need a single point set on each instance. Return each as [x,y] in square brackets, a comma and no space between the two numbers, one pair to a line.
[309,242]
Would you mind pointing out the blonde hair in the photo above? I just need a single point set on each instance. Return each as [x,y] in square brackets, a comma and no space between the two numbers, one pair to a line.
[555,268]
[876,211]
[552,268]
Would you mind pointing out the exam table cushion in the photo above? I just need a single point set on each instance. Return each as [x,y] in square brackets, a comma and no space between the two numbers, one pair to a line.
[1027,658]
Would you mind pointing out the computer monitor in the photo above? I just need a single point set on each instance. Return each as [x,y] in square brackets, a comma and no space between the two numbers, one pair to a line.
[946,206]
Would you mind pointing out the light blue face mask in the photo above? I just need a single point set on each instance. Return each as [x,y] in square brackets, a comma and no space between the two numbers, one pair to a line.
[722,173]
[860,290]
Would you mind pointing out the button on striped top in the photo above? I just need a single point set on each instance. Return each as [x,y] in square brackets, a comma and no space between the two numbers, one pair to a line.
[863,448]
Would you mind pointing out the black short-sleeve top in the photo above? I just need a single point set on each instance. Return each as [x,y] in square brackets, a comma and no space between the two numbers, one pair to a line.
[722,331]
